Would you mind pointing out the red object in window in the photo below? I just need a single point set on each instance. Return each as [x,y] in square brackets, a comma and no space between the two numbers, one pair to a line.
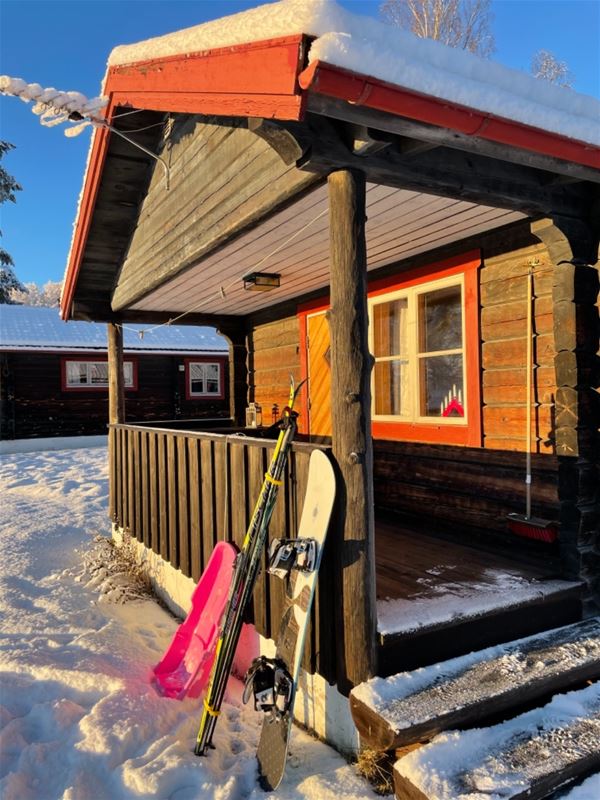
[454,406]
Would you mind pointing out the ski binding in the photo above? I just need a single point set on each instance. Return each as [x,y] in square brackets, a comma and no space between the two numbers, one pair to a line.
[288,554]
[271,685]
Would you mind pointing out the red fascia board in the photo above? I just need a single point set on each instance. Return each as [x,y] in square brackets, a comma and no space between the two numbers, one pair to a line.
[268,67]
[357,89]
[84,216]
[257,79]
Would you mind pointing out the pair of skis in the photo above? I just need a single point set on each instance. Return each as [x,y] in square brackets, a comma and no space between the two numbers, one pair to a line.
[246,570]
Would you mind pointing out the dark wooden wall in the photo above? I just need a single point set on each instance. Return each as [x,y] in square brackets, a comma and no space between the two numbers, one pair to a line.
[461,487]
[181,493]
[34,403]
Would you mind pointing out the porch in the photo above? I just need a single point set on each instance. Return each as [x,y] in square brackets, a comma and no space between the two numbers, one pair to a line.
[178,492]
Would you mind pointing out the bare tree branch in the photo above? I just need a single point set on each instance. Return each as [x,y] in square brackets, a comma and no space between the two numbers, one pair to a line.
[464,24]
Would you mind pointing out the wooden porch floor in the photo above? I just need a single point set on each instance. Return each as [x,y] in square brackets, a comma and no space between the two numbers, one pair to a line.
[411,561]
[438,597]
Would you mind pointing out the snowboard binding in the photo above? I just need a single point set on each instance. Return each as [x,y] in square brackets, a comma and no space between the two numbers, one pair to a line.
[288,554]
[271,685]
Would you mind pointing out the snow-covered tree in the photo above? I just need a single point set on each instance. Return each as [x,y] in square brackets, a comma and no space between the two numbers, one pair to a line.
[47,295]
[8,188]
[546,66]
[465,24]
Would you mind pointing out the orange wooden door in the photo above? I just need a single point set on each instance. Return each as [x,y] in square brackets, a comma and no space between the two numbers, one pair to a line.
[319,374]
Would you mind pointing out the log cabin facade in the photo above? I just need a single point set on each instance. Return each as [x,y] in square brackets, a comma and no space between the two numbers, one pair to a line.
[399,230]
[55,378]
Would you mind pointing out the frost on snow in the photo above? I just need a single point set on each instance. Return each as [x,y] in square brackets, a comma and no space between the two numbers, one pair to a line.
[79,719]
[366,46]
[508,758]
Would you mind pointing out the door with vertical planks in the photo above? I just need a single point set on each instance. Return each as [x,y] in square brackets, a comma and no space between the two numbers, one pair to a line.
[319,374]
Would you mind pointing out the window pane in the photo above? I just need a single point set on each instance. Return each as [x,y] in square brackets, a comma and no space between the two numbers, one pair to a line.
[76,373]
[442,391]
[440,320]
[391,388]
[197,371]
[98,373]
[128,373]
[389,328]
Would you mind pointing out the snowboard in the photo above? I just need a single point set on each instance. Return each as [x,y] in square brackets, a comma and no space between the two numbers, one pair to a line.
[185,667]
[300,589]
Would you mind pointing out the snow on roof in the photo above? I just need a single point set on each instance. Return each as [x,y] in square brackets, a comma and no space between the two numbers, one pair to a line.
[364,45]
[33,328]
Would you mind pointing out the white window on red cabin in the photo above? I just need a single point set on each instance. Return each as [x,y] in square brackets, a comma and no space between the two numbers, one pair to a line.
[94,374]
[417,339]
[204,378]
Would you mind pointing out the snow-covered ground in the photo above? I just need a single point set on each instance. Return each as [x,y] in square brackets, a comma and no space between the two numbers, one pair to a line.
[80,720]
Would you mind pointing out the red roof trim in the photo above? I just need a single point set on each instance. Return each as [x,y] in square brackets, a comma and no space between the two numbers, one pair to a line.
[359,89]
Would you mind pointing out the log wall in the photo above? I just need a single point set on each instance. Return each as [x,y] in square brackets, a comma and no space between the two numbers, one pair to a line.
[503,291]
[180,493]
[274,355]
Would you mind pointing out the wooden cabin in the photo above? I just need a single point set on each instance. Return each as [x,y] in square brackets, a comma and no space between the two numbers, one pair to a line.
[375,239]
[55,376]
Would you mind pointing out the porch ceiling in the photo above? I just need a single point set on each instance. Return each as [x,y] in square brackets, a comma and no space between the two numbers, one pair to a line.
[295,244]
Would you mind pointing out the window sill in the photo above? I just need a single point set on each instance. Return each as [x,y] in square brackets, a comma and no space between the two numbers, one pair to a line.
[428,433]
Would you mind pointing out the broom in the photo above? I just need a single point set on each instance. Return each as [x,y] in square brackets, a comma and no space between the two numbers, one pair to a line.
[519,524]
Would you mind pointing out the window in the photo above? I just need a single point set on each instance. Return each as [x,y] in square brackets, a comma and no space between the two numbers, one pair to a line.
[93,374]
[417,341]
[424,336]
[204,379]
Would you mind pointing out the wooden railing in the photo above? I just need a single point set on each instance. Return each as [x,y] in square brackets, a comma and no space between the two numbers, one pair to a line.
[180,492]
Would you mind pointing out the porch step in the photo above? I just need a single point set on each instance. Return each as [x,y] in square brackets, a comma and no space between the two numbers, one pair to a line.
[530,756]
[413,706]
[458,618]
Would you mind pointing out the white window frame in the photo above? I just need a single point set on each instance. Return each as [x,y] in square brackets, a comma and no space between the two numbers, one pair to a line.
[411,294]
[128,374]
[217,364]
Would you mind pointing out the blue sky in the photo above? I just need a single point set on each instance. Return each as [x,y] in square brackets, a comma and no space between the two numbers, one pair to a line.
[65,44]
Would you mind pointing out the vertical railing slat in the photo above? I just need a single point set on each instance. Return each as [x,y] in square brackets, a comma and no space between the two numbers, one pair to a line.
[183,496]
[163,497]
[173,502]
[209,536]
[195,491]
[153,477]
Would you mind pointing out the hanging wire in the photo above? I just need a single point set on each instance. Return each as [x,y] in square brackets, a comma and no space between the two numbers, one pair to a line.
[222,291]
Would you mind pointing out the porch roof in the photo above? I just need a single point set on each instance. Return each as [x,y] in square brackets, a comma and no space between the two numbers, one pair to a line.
[220,69]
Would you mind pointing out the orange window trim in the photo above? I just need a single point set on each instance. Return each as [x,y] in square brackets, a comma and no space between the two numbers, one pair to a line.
[469,435]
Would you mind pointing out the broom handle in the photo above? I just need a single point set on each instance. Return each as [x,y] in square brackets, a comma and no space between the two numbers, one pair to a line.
[529,380]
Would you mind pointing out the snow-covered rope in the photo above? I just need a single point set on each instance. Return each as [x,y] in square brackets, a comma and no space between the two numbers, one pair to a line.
[54,106]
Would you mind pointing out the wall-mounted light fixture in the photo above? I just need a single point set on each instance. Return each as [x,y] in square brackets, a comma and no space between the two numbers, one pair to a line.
[261,281]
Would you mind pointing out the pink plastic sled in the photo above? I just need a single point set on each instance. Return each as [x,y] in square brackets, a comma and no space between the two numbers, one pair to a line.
[185,668]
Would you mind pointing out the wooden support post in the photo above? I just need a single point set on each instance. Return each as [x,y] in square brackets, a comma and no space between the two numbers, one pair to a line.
[573,248]
[351,366]
[116,379]
[116,409]
[238,372]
